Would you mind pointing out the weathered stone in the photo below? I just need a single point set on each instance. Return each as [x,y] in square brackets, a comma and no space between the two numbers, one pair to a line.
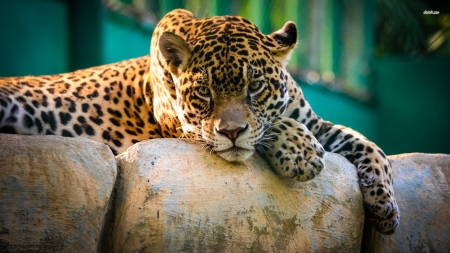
[173,196]
[422,190]
[54,193]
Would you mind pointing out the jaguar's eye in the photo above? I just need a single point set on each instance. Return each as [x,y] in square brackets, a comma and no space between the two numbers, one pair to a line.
[255,86]
[203,92]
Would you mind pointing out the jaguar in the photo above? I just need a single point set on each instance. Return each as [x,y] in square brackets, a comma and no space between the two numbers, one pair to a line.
[217,80]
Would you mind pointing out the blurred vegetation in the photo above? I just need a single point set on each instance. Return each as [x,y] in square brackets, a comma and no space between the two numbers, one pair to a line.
[404,28]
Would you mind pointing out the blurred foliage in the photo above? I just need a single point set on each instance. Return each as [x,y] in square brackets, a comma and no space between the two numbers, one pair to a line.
[401,27]
[404,28]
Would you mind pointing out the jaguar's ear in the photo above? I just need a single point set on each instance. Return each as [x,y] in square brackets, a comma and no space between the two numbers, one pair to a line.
[286,39]
[175,50]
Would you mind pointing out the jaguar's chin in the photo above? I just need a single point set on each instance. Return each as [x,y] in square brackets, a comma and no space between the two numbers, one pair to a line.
[235,154]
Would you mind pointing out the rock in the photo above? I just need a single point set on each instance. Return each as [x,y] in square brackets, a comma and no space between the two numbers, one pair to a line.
[54,193]
[422,190]
[173,196]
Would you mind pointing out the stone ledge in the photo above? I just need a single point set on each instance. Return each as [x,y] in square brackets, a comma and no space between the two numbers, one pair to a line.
[173,196]
[54,193]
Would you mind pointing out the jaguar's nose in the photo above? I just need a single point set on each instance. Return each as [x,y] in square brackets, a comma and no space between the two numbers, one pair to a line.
[232,134]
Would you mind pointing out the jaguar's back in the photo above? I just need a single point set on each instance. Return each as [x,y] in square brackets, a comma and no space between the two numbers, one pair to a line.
[104,103]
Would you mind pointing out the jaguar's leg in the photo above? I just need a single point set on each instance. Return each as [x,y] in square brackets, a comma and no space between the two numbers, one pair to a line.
[373,167]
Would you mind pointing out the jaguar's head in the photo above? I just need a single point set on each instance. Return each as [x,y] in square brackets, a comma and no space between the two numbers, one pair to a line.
[230,82]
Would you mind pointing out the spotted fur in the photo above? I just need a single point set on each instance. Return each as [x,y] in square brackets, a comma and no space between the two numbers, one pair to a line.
[218,80]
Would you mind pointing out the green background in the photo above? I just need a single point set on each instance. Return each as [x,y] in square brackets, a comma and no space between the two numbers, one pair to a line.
[410,111]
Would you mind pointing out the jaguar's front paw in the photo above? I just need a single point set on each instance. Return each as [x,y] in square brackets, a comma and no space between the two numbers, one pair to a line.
[292,150]
[375,175]
[386,225]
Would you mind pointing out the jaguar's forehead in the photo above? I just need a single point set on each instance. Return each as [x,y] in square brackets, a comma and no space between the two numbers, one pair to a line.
[229,48]
[224,36]
[224,78]
[228,71]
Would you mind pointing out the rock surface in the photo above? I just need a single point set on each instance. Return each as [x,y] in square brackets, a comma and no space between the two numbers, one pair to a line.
[54,193]
[172,196]
[422,190]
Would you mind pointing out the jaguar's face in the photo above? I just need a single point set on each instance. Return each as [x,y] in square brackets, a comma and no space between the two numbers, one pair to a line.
[228,107]
[227,92]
